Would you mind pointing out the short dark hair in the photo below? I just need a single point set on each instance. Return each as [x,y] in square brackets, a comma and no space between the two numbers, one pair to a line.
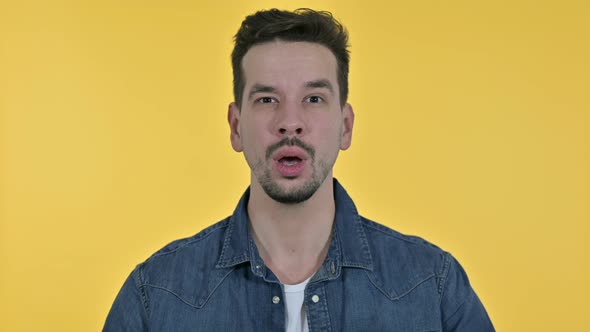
[303,24]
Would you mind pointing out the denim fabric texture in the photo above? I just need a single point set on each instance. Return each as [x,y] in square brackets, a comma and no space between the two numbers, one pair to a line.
[373,279]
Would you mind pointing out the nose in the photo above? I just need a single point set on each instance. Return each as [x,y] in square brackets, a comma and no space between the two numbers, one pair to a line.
[290,130]
[290,121]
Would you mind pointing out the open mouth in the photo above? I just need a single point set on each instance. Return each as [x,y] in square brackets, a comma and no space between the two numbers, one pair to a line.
[290,161]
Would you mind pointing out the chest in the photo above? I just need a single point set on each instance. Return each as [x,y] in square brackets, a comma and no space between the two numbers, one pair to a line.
[351,302]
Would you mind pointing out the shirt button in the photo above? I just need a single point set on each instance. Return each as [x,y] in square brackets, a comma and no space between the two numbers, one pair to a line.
[315,299]
[333,268]
[276,299]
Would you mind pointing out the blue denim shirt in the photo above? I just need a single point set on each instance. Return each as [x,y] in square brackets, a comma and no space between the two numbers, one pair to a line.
[373,279]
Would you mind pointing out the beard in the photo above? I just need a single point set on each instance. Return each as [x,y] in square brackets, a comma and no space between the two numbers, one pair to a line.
[294,195]
[301,193]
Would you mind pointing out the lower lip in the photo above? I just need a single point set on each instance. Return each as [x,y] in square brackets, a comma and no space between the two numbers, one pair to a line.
[292,170]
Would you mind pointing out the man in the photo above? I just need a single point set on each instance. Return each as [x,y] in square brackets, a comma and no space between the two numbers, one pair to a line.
[295,254]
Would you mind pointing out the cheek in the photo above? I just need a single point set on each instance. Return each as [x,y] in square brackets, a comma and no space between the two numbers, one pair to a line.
[249,130]
[329,138]
[329,127]
[253,140]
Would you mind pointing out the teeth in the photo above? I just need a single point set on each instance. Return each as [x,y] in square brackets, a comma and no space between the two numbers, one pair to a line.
[289,162]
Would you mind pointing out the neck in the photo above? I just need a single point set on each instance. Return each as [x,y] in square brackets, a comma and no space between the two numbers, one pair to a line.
[292,239]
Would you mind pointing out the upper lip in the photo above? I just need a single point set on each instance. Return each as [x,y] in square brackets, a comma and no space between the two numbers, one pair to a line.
[291,151]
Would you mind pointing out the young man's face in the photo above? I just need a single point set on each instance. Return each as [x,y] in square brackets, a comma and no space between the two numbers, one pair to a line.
[290,125]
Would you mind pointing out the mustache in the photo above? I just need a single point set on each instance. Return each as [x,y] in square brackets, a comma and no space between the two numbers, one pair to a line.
[293,141]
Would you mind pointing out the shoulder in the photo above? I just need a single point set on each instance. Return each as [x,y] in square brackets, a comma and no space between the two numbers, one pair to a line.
[378,232]
[402,262]
[189,244]
[190,256]
[413,246]
[182,268]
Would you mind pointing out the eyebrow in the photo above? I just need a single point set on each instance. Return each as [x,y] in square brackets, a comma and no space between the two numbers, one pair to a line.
[261,88]
[320,84]
[257,88]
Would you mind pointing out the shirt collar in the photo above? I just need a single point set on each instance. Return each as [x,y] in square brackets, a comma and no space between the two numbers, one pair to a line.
[348,247]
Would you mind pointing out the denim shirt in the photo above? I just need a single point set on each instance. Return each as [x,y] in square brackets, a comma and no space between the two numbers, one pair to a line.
[373,279]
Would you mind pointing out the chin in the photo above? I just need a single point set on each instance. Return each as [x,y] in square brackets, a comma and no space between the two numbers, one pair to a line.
[296,190]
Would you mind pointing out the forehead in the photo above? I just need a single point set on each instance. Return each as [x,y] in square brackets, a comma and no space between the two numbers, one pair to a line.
[280,63]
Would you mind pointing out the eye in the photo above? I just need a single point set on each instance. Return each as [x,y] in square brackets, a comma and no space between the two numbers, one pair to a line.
[266,100]
[314,99]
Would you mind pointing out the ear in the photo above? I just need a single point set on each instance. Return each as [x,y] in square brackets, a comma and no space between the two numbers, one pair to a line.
[347,125]
[233,119]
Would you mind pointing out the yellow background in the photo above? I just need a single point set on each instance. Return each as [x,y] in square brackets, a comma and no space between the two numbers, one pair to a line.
[472,131]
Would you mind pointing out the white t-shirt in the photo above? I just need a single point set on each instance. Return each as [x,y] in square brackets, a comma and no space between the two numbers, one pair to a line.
[296,317]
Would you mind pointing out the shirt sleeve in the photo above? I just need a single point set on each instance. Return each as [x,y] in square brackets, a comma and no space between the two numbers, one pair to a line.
[129,311]
[462,311]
